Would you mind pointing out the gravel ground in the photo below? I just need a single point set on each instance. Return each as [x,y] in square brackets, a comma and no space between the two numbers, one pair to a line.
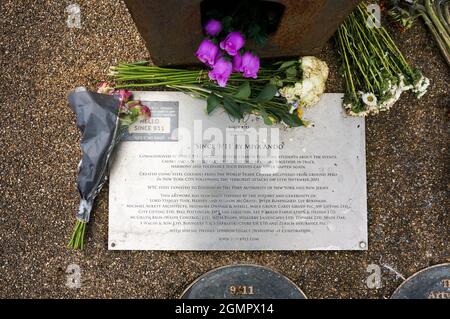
[42,60]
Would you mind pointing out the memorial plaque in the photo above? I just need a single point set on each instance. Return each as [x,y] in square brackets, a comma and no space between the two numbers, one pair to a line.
[429,283]
[184,180]
[243,282]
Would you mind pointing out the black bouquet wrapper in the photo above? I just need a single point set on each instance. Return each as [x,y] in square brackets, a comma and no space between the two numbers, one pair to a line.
[98,121]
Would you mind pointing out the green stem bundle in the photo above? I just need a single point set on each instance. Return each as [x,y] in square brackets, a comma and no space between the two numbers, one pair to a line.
[78,235]
[374,69]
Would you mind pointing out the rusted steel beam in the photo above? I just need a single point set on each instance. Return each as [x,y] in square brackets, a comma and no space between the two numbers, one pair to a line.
[172,28]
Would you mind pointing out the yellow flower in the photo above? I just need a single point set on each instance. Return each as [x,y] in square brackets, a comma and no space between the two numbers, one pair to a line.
[299,112]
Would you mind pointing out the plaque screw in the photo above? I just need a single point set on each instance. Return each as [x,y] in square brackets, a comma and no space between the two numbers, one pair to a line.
[362,244]
[113,245]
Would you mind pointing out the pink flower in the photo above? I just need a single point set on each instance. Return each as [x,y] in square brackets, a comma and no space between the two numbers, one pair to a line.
[207,52]
[213,27]
[250,65]
[221,71]
[145,110]
[237,63]
[123,95]
[233,43]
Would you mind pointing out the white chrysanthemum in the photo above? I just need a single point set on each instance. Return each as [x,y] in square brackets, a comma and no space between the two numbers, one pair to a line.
[308,91]
[395,92]
[349,109]
[359,114]
[288,92]
[402,85]
[310,100]
[348,106]
[421,87]
[369,99]
[312,66]
[424,84]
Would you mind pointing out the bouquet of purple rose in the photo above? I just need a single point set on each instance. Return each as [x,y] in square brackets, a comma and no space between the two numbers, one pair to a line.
[228,56]
[235,80]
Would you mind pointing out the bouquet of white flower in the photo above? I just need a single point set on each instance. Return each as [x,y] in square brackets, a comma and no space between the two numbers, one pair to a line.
[375,71]
[307,91]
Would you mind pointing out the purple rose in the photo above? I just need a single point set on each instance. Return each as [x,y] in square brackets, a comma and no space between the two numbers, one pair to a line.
[207,52]
[237,63]
[233,43]
[213,27]
[221,71]
[250,65]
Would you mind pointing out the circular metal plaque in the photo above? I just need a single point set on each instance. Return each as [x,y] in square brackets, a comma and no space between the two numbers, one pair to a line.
[429,283]
[243,282]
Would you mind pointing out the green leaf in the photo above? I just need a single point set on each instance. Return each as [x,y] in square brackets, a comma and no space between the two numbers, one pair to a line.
[276,80]
[232,107]
[292,120]
[212,102]
[246,108]
[266,118]
[267,93]
[134,112]
[243,91]
[291,72]
[287,64]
